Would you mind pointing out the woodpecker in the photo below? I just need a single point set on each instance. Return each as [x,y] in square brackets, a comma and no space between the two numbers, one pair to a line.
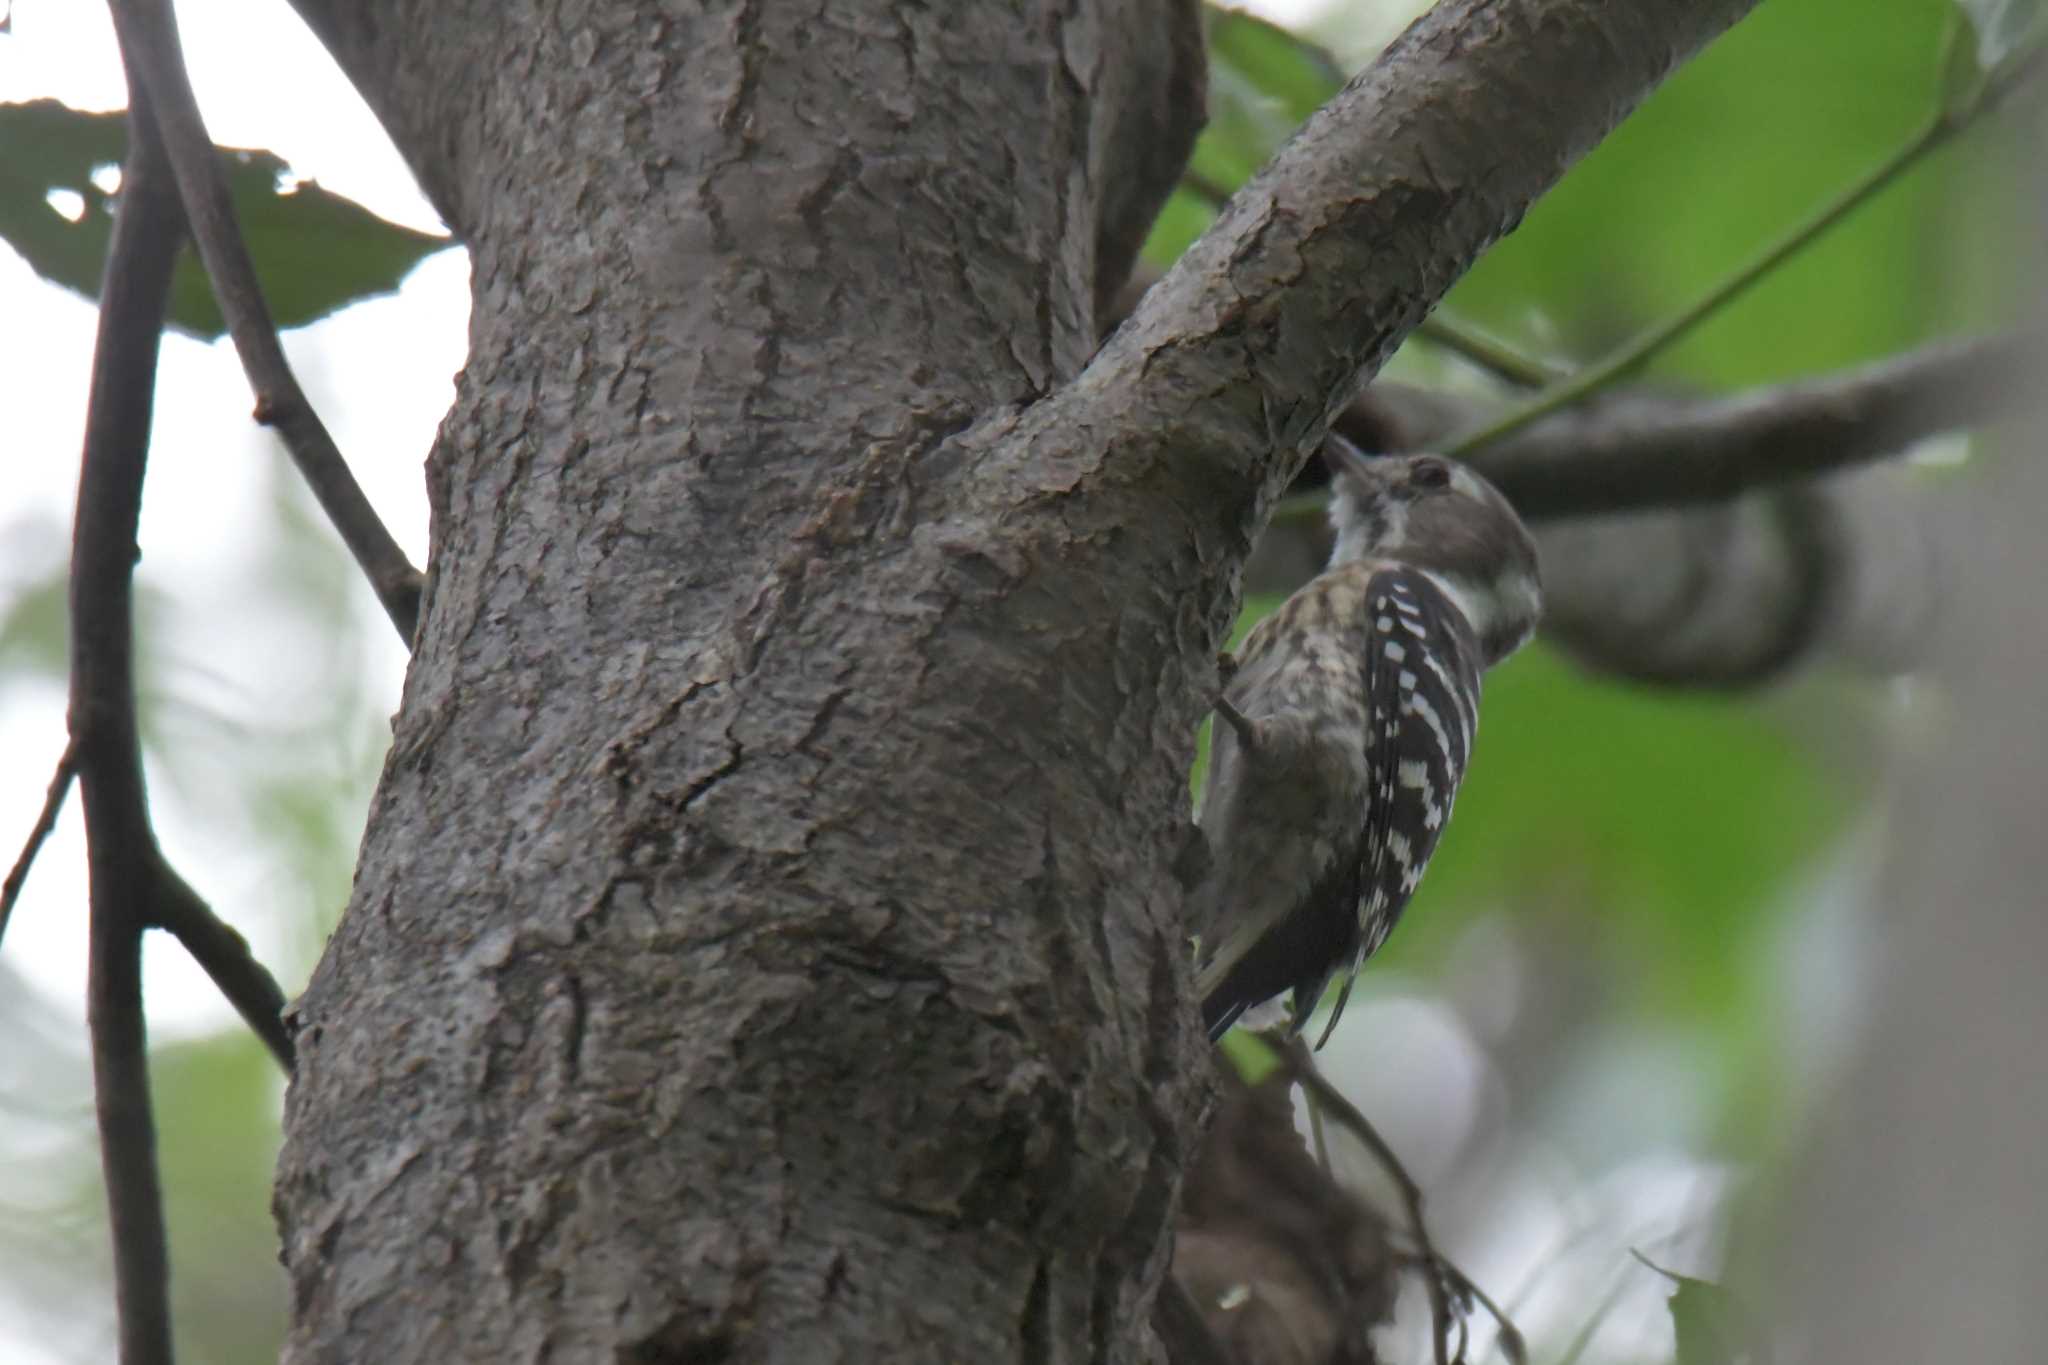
[1348,719]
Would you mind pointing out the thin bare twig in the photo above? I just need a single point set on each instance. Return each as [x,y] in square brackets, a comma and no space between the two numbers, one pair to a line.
[53,802]
[1636,450]
[1489,352]
[225,957]
[119,843]
[1512,1344]
[1941,127]
[104,745]
[1301,1065]
[1437,1272]
[1601,1311]
[148,36]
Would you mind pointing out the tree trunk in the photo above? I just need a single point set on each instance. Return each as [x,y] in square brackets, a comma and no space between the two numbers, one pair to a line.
[763,932]
[764,944]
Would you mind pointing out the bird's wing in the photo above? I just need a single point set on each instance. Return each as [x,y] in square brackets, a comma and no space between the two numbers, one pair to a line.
[1422,687]
[1281,895]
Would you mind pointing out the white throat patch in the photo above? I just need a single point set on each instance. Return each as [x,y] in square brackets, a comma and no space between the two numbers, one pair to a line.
[1482,606]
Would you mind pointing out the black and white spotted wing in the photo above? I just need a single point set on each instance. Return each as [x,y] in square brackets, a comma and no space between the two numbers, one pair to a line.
[1367,685]
[1422,671]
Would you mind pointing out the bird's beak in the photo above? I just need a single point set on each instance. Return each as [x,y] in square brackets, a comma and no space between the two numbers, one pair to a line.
[1347,461]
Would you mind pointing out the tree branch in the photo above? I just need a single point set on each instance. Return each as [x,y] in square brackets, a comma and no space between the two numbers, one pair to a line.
[1639,450]
[223,954]
[105,747]
[149,46]
[120,845]
[1716,595]
[1696,589]
[1294,1055]
[1947,122]
[1149,131]
[1319,266]
[1734,595]
[53,802]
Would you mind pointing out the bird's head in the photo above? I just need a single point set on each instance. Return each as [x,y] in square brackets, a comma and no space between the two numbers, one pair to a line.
[1432,514]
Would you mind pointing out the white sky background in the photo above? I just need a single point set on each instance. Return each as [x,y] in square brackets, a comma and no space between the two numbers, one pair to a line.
[262,82]
[251,669]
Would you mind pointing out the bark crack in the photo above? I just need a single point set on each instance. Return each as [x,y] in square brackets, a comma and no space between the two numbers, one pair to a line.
[1034,1331]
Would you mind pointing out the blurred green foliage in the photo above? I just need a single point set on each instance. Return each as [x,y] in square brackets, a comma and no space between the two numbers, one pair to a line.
[249,758]
[1709,1326]
[217,1112]
[1790,106]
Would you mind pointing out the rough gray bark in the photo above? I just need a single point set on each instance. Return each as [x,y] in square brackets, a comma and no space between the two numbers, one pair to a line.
[764,944]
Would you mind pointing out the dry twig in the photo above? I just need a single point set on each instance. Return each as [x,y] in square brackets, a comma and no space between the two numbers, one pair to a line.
[148,35]
[53,802]
[1441,1279]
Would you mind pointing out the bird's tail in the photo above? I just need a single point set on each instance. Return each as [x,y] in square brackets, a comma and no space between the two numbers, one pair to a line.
[1219,1012]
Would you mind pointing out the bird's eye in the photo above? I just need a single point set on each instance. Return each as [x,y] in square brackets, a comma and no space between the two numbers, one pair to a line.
[1431,474]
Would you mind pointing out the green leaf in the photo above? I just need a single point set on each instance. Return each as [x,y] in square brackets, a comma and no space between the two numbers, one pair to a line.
[1252,1055]
[315,252]
[1263,81]
[1707,1321]
[1184,218]
[217,1125]
[1295,74]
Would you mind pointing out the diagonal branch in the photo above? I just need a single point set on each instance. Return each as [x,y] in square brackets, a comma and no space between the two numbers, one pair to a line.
[1320,265]
[224,956]
[1658,568]
[149,46]
[1640,451]
[1439,1275]
[53,802]
[1471,344]
[1948,122]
